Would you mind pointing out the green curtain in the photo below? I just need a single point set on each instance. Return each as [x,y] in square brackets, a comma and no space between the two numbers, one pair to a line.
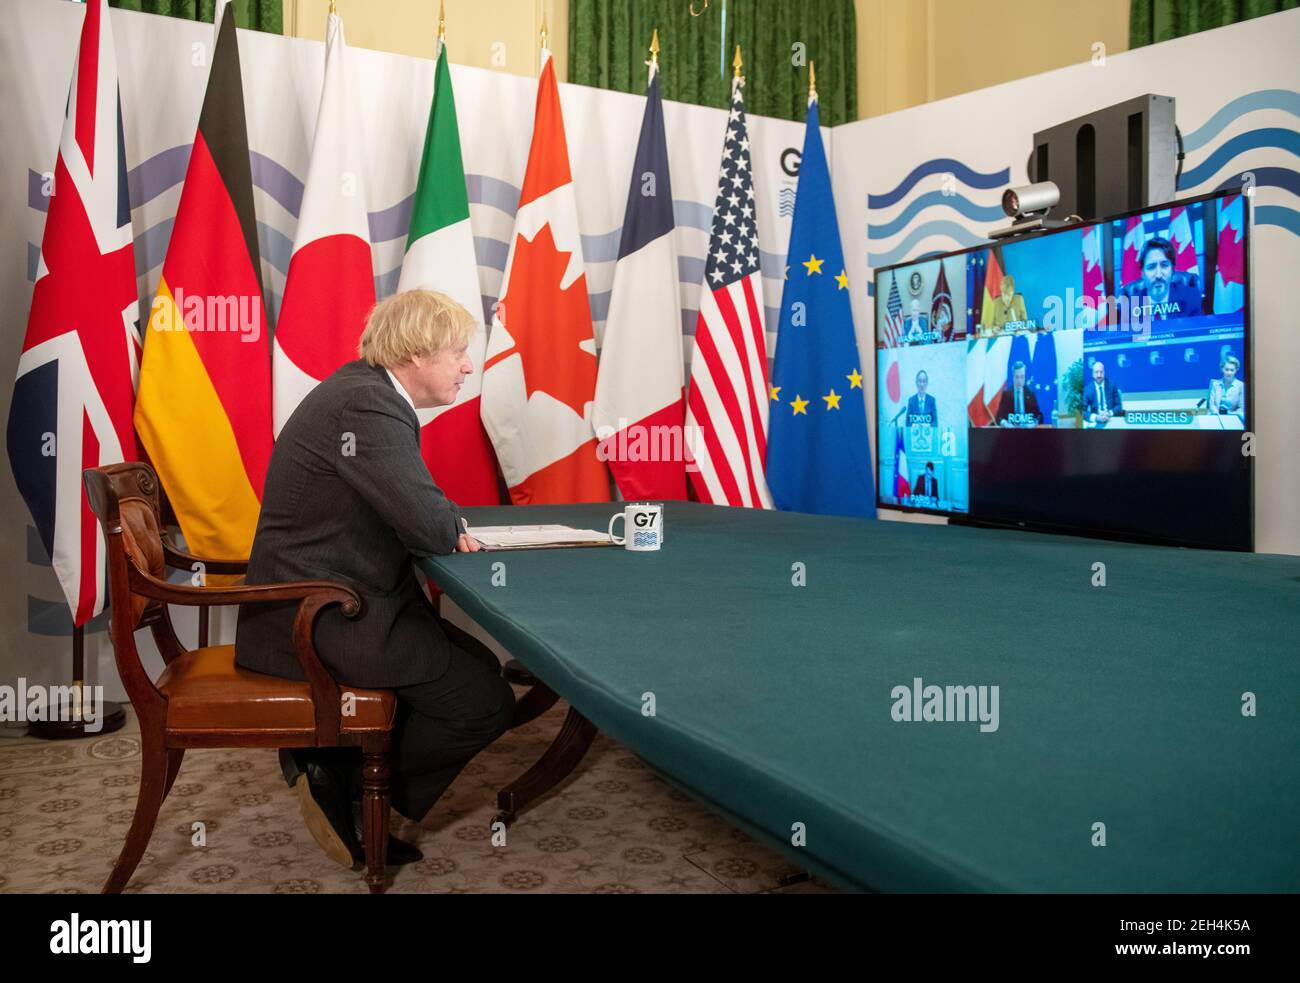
[263,15]
[609,42]
[1150,21]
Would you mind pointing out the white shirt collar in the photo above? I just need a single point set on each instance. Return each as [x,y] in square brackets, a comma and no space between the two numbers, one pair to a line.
[400,388]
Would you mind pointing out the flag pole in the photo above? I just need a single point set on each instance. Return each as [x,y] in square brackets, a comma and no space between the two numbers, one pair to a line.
[72,722]
[543,45]
[812,82]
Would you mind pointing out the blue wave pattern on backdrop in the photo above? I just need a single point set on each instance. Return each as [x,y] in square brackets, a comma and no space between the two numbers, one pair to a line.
[166,169]
[1196,179]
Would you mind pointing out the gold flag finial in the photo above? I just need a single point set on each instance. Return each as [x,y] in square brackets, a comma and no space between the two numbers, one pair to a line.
[812,80]
[334,7]
[737,62]
[442,23]
[654,48]
[543,29]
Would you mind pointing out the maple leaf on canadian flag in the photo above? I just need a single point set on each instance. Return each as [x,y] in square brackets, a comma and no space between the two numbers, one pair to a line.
[539,377]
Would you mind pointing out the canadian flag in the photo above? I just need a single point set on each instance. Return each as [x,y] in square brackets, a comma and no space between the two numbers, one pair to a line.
[539,378]
[1094,277]
[1180,232]
[1134,237]
[330,286]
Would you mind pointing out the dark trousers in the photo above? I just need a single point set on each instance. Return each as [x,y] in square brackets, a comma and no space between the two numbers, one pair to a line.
[440,725]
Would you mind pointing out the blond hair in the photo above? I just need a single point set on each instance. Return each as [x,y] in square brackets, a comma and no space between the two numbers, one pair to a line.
[413,322]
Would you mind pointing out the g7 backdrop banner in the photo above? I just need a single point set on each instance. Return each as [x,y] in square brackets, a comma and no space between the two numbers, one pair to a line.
[924,180]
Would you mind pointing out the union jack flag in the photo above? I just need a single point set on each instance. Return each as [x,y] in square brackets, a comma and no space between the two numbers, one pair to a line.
[75,389]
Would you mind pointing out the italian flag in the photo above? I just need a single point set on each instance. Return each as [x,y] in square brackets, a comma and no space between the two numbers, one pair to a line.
[440,256]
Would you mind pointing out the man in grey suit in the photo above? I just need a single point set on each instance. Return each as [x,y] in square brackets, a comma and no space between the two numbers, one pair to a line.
[348,497]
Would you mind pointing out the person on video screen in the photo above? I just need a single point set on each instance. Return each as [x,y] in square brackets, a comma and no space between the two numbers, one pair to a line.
[1018,406]
[1162,291]
[922,408]
[1228,393]
[1008,307]
[917,325]
[927,486]
[1101,398]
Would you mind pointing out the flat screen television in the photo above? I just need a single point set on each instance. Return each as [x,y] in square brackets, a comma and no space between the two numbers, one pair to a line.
[1093,379]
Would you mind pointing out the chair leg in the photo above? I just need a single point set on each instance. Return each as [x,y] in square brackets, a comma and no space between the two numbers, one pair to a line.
[153,784]
[374,816]
[174,756]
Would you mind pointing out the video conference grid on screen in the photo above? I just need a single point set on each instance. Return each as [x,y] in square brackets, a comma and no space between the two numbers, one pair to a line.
[1132,324]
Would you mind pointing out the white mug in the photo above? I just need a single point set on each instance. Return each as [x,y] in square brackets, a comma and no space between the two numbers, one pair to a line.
[643,527]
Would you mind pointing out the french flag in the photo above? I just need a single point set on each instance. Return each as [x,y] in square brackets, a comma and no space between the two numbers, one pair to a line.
[639,410]
[902,477]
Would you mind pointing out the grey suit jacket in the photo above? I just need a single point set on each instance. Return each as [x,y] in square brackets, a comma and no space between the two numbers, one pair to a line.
[348,497]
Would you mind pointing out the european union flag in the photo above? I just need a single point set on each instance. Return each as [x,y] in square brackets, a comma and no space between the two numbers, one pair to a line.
[818,452]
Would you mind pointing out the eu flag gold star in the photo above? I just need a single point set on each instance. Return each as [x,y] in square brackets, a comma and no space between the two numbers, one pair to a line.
[774,393]
[855,380]
[832,401]
[814,264]
[799,405]
[842,280]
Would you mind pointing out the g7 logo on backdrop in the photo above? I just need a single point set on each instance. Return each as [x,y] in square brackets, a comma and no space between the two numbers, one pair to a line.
[791,157]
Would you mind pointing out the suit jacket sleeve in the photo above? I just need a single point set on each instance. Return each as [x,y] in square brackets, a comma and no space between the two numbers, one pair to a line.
[386,469]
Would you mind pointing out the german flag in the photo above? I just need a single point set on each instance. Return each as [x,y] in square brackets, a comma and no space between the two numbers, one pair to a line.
[203,412]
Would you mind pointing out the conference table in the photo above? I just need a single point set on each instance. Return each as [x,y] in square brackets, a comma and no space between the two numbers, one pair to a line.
[1146,732]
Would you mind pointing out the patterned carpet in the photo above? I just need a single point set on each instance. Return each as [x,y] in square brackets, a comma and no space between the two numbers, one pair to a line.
[614,827]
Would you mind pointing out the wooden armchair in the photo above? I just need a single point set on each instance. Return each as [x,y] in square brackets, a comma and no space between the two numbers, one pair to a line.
[202,699]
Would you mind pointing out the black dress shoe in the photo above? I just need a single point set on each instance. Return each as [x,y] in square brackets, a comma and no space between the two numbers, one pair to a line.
[289,768]
[399,851]
[323,798]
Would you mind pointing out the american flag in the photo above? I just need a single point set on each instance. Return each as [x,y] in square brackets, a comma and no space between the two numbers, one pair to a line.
[894,320]
[726,410]
[75,389]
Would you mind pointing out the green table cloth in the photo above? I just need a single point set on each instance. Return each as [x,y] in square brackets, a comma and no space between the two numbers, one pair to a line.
[773,646]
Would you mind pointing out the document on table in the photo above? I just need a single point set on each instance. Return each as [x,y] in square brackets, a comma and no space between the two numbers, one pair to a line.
[536,537]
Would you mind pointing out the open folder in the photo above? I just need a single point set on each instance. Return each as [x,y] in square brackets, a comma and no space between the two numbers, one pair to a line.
[536,537]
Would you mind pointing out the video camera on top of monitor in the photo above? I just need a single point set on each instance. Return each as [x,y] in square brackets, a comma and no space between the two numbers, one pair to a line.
[1119,159]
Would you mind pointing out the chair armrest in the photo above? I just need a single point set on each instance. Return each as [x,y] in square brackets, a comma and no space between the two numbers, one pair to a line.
[313,595]
[180,559]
